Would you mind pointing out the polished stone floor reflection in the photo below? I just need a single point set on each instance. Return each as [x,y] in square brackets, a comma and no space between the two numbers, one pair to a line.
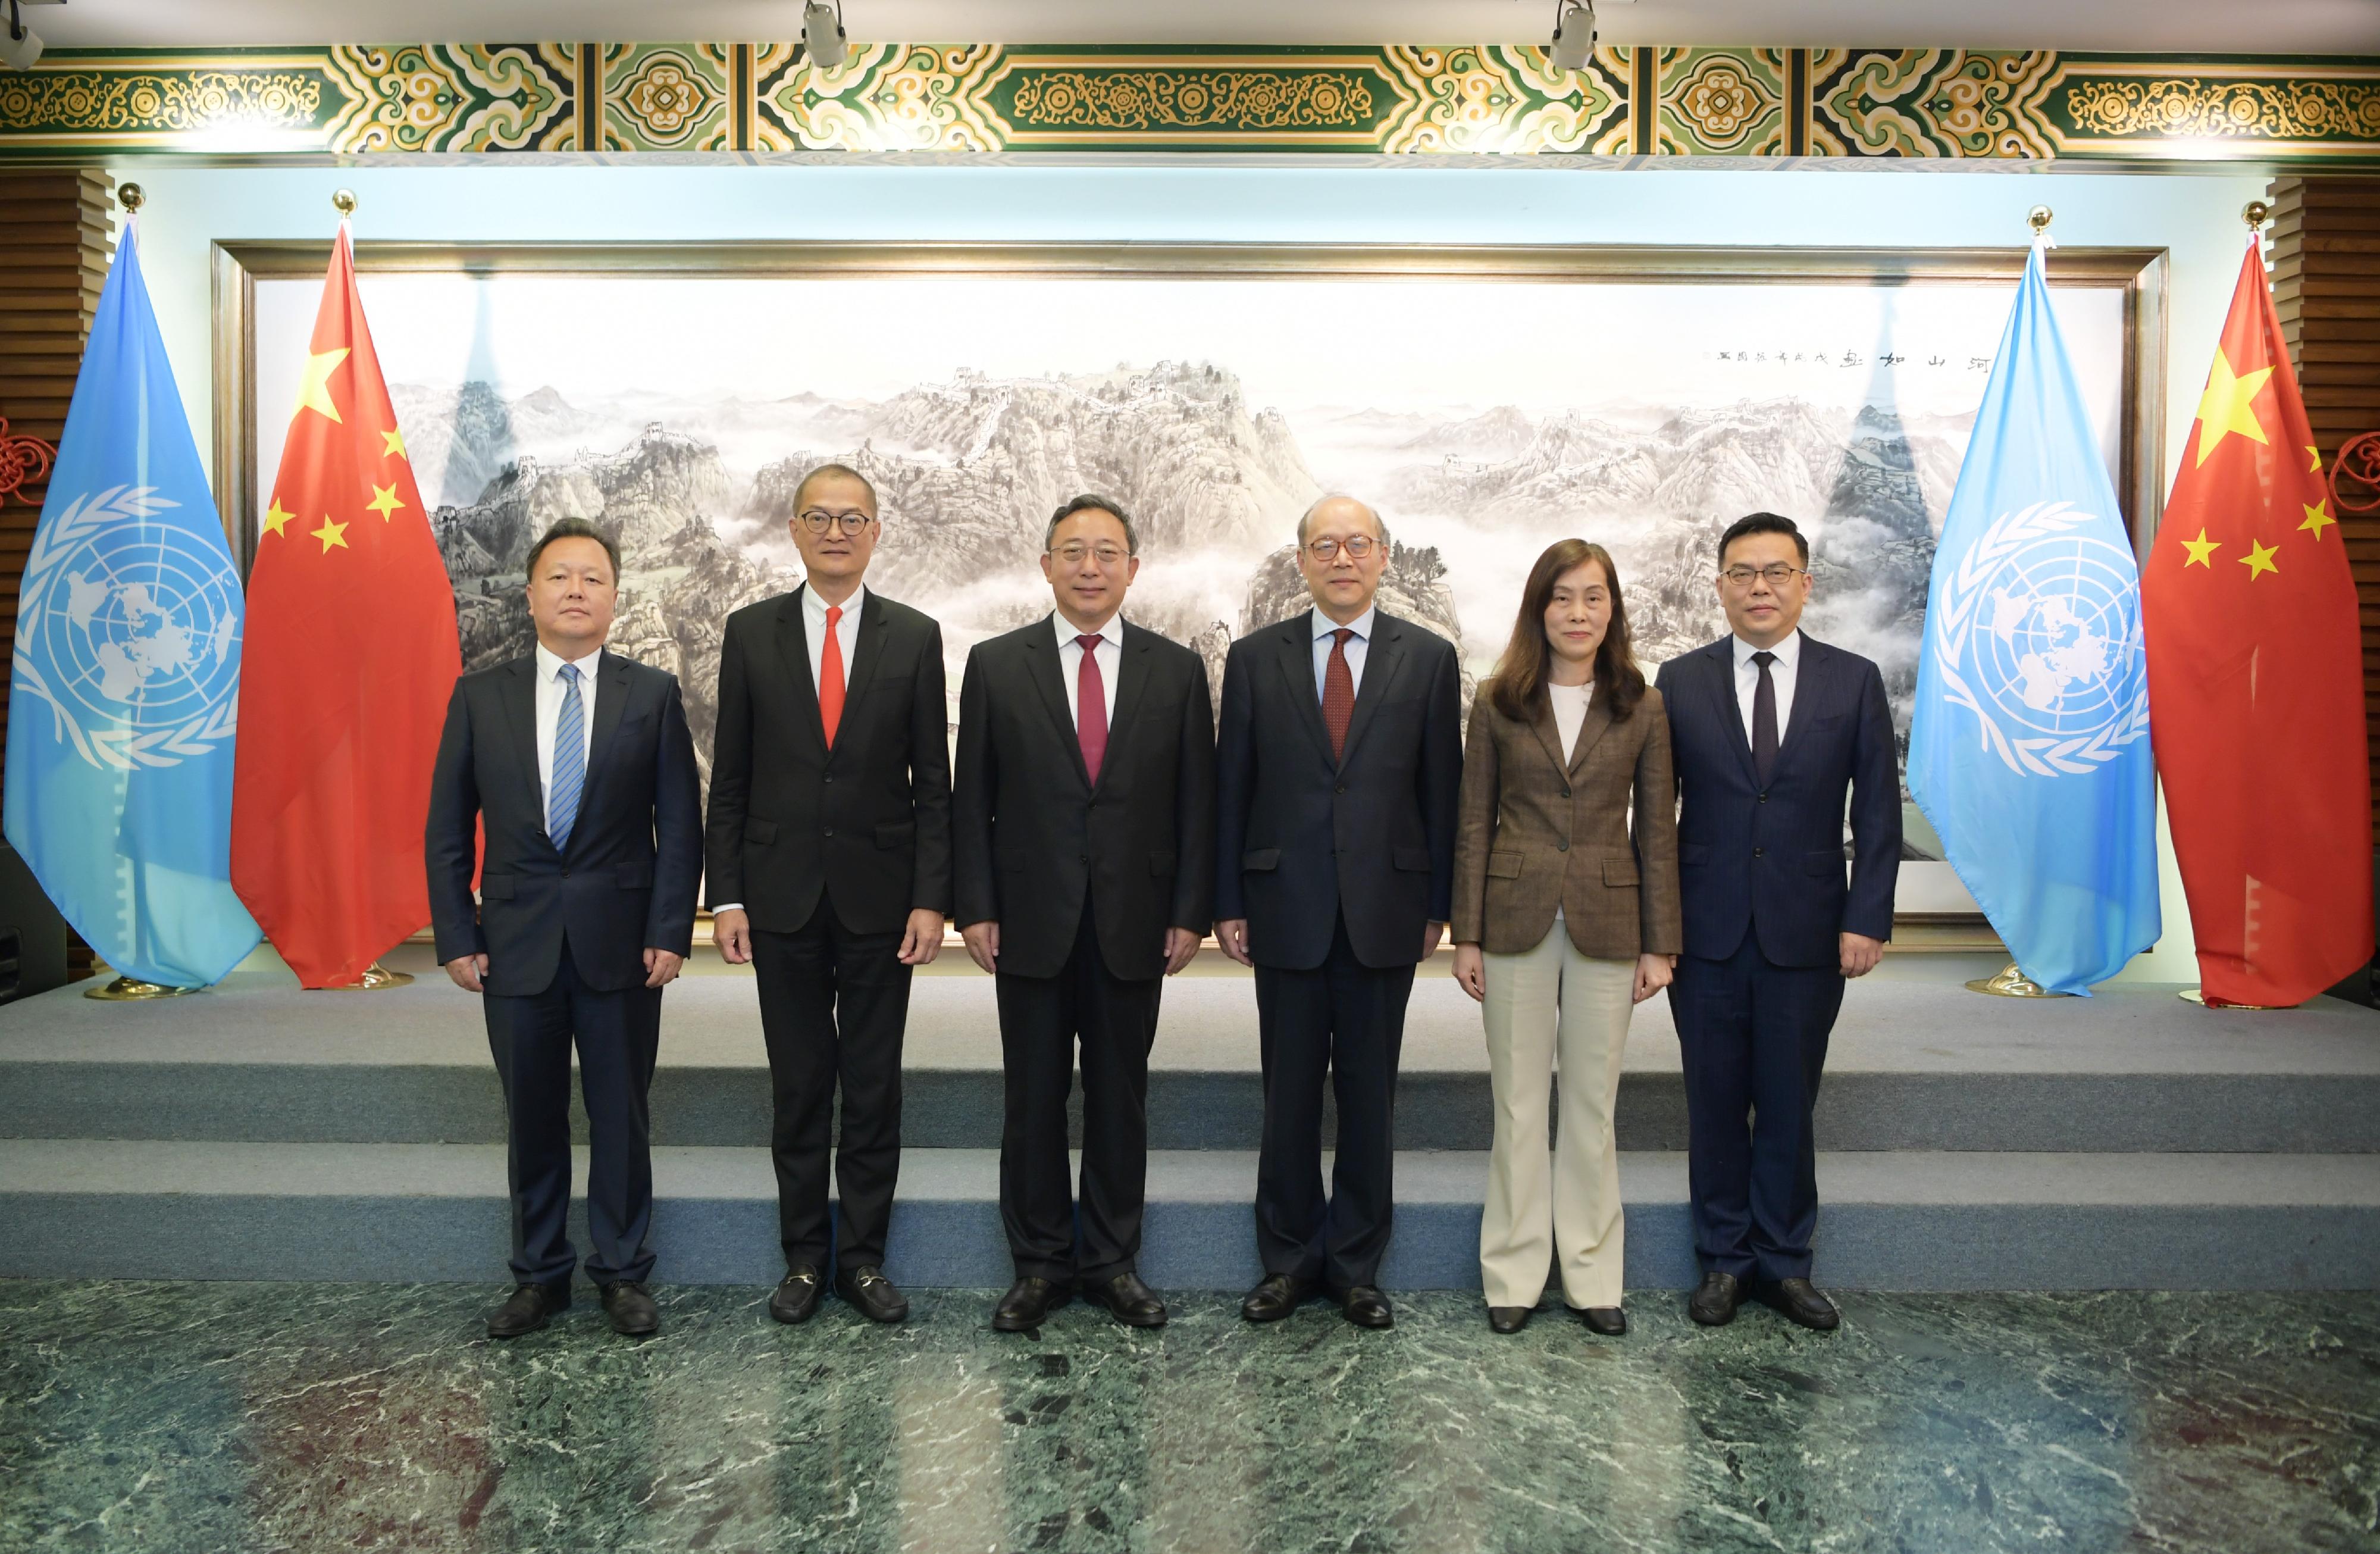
[257,1417]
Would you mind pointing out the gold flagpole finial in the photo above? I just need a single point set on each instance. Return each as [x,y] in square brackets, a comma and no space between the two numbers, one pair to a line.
[2038,219]
[130,197]
[344,201]
[2255,213]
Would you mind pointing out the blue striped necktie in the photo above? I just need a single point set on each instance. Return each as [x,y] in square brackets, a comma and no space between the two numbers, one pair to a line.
[569,760]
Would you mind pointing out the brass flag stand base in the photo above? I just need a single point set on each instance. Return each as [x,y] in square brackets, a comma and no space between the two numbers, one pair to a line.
[2012,984]
[2188,995]
[376,978]
[125,989]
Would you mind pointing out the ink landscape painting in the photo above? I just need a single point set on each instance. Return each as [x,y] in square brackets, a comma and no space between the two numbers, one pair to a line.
[1483,419]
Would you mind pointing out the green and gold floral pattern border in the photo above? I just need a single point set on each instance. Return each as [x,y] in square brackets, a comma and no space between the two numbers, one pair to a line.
[762,100]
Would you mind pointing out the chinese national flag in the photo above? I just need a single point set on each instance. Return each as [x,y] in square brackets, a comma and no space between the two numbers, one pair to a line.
[2256,683]
[350,658]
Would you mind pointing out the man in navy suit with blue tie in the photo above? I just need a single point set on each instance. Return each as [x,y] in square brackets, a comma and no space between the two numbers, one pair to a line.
[1773,735]
[579,764]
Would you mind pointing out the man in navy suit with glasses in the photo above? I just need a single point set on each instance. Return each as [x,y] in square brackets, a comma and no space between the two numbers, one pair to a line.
[1774,735]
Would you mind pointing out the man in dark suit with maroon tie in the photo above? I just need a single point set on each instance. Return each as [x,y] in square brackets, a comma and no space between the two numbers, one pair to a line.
[1083,846]
[1338,762]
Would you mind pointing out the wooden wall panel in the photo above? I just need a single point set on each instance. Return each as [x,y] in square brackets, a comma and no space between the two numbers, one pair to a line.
[2327,288]
[54,246]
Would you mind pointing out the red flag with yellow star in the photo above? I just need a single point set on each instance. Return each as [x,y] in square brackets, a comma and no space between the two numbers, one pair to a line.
[2256,682]
[348,661]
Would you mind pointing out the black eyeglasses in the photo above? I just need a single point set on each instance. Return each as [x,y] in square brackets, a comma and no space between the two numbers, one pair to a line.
[1357,547]
[1777,574]
[818,520]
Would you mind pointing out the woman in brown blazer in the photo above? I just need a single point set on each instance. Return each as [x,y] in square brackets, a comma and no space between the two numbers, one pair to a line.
[1565,919]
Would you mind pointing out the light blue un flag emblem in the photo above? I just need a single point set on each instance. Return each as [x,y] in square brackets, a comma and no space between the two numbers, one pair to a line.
[2028,752]
[125,682]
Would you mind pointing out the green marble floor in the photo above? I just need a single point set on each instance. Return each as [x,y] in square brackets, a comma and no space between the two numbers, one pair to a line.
[258,1416]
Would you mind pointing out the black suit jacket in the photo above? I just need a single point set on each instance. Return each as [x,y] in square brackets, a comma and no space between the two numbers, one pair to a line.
[868,823]
[1032,835]
[1771,859]
[627,883]
[1302,839]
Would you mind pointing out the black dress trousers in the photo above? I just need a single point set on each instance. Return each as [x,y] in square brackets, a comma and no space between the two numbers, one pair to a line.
[1346,1020]
[1752,1037]
[1041,1020]
[618,1037]
[834,1005]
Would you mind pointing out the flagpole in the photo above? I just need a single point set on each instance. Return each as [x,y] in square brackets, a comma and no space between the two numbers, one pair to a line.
[2255,213]
[2011,981]
[131,990]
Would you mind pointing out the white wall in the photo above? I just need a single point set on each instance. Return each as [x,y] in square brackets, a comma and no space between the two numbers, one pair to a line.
[2196,218]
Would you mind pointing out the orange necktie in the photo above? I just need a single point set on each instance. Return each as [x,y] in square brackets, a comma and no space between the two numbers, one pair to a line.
[831,675]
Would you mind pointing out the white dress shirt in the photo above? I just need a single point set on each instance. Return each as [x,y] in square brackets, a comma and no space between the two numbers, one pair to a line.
[1070,662]
[1357,646]
[1780,674]
[1570,712]
[549,708]
[846,630]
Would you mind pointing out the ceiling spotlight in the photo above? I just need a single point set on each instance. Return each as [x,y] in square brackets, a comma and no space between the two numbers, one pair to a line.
[1574,34]
[822,34]
[22,45]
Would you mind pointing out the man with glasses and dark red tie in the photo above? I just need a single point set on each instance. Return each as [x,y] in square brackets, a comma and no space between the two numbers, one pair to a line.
[1083,813]
[1337,764]
[1773,734]
[830,872]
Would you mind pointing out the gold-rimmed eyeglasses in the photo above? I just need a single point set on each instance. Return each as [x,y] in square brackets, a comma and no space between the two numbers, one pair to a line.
[1357,547]
[1777,574]
[818,520]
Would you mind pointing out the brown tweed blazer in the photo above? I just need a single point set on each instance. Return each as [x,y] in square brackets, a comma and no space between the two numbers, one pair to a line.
[1536,831]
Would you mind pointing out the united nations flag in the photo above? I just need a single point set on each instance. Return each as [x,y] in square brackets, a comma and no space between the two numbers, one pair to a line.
[125,682]
[2030,749]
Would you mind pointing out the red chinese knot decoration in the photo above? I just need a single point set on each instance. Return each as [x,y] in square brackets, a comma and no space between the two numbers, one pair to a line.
[23,460]
[2355,475]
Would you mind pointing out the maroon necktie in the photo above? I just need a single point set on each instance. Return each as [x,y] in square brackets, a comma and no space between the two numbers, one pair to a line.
[1338,693]
[1091,708]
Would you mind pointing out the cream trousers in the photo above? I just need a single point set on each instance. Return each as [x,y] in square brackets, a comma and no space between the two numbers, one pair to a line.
[1546,1005]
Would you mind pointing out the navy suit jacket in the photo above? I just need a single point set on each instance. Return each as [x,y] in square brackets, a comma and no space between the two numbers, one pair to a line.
[629,878]
[1770,860]
[1302,839]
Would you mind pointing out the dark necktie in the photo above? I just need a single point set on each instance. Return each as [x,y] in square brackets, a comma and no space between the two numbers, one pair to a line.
[1764,720]
[1091,708]
[1338,693]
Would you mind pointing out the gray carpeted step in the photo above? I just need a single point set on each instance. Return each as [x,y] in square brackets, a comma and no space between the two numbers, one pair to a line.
[1914,1064]
[1892,1220]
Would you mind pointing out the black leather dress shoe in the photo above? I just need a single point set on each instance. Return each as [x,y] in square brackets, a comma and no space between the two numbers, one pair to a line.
[1367,1307]
[1275,1298]
[874,1294]
[631,1309]
[1029,1303]
[527,1309]
[1128,1300]
[1714,1304]
[1801,1303]
[796,1297]
[1609,1321]
[1509,1319]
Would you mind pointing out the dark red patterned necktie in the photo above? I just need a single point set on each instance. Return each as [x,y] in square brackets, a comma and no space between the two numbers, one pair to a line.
[1338,693]
[1091,708]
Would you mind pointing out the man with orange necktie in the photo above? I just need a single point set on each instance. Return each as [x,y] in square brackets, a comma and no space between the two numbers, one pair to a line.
[828,870]
[1082,843]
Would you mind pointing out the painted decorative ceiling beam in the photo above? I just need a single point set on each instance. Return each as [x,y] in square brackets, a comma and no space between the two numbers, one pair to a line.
[764,101]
